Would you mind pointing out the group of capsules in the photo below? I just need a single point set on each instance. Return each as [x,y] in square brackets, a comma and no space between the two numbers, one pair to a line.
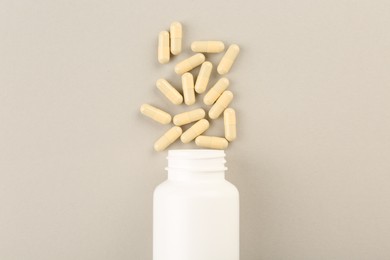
[217,96]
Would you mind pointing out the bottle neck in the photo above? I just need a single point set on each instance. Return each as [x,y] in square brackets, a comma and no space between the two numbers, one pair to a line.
[196,165]
[178,175]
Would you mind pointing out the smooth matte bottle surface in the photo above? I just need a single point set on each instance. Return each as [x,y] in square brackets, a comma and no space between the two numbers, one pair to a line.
[196,213]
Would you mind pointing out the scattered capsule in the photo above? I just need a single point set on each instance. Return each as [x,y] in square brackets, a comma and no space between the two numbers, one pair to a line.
[163,47]
[169,91]
[168,138]
[156,114]
[188,88]
[190,63]
[189,117]
[203,77]
[208,46]
[197,129]
[221,104]
[216,91]
[229,120]
[176,37]
[228,59]
[212,142]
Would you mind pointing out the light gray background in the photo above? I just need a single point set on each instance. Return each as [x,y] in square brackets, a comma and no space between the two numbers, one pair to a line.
[312,161]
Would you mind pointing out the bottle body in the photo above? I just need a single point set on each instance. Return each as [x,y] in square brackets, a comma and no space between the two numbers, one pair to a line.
[196,214]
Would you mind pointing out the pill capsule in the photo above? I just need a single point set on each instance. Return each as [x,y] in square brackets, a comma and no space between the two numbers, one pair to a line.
[188,88]
[208,46]
[197,129]
[221,104]
[176,33]
[216,91]
[168,138]
[229,120]
[190,63]
[212,142]
[163,47]
[156,114]
[169,91]
[188,117]
[203,77]
[228,59]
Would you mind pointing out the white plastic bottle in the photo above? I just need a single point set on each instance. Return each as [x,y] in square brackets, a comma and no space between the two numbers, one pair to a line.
[196,211]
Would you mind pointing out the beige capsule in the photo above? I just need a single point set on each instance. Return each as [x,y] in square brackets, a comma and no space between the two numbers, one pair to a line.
[189,117]
[176,33]
[169,91]
[228,59]
[163,47]
[197,129]
[156,114]
[189,63]
[168,138]
[212,142]
[188,88]
[208,46]
[203,77]
[221,104]
[216,91]
[229,120]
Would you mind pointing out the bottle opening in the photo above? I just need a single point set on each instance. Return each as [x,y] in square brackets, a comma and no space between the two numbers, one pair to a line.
[197,160]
